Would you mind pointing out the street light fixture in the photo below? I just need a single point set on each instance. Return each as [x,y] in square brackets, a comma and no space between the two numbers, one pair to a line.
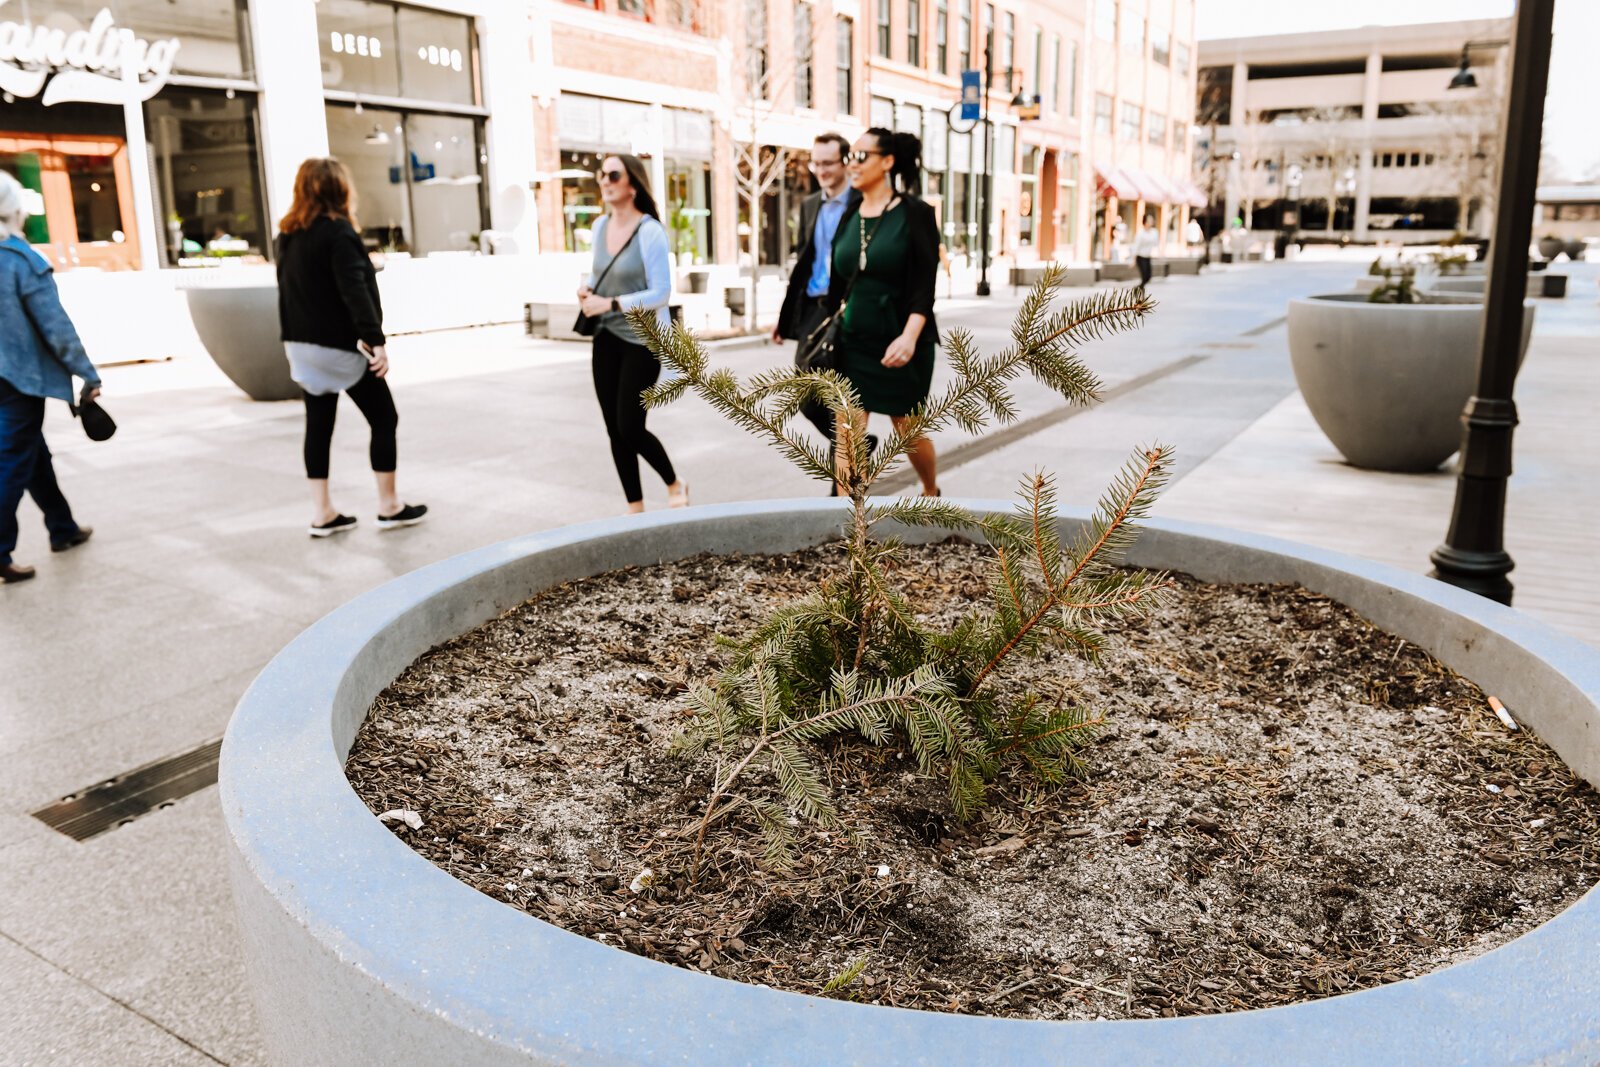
[1473,554]
[1022,104]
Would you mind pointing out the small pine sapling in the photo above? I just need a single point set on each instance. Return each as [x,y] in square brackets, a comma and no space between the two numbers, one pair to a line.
[852,657]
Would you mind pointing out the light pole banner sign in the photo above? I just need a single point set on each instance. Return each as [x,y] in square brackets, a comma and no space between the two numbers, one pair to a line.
[99,64]
[971,95]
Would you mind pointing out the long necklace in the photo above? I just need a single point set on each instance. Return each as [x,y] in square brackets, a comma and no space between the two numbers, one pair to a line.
[866,238]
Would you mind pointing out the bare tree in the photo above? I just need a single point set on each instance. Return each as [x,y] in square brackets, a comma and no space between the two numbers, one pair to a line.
[1468,143]
[773,79]
[1329,149]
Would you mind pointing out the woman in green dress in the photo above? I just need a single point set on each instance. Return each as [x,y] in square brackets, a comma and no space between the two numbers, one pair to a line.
[885,263]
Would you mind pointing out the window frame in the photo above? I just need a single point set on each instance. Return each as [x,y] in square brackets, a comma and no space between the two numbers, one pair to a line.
[1105,121]
[914,54]
[884,22]
[1131,117]
[844,64]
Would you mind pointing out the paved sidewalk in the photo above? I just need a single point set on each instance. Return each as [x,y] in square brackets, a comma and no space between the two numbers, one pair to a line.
[122,949]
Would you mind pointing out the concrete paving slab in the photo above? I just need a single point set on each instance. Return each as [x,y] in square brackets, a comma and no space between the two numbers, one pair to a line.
[157,937]
[53,1019]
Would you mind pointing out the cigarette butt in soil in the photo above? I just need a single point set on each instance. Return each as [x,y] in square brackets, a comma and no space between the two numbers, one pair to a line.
[1502,714]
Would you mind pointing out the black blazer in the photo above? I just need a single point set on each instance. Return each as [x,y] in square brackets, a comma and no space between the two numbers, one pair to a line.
[327,289]
[789,319]
[921,275]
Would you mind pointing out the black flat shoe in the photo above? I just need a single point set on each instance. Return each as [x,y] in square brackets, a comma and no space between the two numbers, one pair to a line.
[409,515]
[10,572]
[83,534]
[336,525]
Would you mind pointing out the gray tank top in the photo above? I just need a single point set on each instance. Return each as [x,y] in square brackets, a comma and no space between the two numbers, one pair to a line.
[627,275]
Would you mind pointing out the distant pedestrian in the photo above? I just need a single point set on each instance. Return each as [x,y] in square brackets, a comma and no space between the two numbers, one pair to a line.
[632,269]
[39,354]
[820,215]
[886,255]
[1145,245]
[332,322]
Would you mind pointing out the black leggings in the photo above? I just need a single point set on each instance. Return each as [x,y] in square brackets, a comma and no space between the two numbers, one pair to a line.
[623,370]
[372,396]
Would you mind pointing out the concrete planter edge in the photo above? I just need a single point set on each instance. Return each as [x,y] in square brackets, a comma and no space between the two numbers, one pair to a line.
[238,325]
[1386,383]
[361,951]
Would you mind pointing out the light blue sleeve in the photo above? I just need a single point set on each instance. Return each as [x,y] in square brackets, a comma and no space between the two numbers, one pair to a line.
[597,236]
[657,269]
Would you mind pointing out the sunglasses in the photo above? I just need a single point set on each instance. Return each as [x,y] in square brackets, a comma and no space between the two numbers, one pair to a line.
[604,176]
[860,156]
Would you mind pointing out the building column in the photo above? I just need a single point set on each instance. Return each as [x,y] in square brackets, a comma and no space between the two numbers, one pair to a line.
[508,90]
[1369,126]
[294,126]
[1363,195]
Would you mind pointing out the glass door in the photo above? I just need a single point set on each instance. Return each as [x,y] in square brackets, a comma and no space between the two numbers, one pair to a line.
[85,187]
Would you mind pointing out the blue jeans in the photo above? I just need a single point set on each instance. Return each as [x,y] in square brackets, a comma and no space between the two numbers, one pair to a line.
[25,467]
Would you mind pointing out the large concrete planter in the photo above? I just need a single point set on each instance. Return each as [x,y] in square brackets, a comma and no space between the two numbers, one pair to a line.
[1387,382]
[360,951]
[238,324]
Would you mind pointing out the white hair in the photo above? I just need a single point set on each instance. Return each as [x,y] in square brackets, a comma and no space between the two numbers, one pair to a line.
[12,213]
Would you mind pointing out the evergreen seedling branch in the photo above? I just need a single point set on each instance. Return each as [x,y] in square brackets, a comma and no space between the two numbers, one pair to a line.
[852,658]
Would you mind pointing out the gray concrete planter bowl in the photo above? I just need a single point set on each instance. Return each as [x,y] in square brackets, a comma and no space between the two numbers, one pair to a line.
[238,324]
[360,951]
[1387,382]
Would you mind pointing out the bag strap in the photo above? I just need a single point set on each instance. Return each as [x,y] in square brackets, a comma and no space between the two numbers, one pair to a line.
[844,297]
[613,260]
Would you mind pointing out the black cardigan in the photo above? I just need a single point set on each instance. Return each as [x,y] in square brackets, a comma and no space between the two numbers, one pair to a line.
[327,289]
[921,275]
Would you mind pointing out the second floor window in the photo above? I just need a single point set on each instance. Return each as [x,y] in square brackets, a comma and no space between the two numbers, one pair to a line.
[914,32]
[1180,137]
[1132,30]
[1132,121]
[804,84]
[1159,44]
[1180,58]
[883,28]
[941,36]
[1105,20]
[1072,79]
[1102,113]
[844,52]
[1158,129]
[964,34]
[1008,50]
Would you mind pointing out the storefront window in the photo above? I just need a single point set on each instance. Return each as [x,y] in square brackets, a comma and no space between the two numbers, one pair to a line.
[687,210]
[580,198]
[418,177]
[381,49]
[1028,199]
[206,166]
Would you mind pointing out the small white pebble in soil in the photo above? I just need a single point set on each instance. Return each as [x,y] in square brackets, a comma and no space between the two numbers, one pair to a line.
[883,870]
[511,887]
[1536,823]
[1099,952]
[1491,787]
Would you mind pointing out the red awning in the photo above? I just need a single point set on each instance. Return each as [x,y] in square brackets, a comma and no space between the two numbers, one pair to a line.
[1151,190]
[1114,181]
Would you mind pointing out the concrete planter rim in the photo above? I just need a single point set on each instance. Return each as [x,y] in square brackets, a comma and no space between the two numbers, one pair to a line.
[531,992]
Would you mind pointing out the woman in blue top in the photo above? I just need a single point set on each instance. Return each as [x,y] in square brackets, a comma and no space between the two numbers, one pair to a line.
[632,269]
[39,354]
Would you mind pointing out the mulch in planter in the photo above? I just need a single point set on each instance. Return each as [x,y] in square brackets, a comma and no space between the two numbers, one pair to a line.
[1285,803]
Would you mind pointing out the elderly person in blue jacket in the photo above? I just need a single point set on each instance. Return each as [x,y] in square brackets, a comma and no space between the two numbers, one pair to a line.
[39,354]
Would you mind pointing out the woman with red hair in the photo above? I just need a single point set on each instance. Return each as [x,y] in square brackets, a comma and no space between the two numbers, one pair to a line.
[332,325]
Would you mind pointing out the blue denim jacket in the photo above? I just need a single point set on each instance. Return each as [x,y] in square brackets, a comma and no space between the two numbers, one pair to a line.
[39,348]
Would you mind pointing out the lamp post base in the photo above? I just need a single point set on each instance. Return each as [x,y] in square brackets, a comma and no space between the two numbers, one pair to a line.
[983,289]
[1483,573]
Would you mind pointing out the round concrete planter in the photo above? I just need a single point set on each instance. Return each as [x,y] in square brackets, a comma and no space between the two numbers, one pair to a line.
[359,951]
[238,324]
[1387,382]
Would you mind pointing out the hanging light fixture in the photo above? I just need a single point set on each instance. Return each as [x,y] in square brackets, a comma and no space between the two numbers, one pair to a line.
[377,136]
[1464,78]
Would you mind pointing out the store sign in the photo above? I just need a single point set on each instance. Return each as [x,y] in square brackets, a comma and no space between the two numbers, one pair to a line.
[103,64]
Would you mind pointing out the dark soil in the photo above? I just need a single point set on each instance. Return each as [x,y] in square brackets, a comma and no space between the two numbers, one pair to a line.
[1285,803]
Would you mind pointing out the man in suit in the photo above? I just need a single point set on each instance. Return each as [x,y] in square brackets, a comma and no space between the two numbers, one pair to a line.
[820,214]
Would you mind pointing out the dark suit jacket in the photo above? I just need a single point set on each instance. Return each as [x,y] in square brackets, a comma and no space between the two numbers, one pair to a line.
[921,270]
[794,298]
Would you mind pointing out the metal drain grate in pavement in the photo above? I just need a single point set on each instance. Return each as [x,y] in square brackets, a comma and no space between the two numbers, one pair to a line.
[118,801]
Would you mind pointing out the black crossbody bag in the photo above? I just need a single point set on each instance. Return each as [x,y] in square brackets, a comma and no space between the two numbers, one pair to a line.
[819,348]
[586,326]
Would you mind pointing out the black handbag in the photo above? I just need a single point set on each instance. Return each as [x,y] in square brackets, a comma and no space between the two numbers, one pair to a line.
[97,422]
[587,326]
[819,349]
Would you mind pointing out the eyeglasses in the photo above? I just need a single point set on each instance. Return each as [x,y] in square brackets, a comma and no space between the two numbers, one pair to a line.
[861,155]
[603,176]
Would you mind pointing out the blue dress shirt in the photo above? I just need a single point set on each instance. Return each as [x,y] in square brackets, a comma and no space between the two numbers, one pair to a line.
[828,216]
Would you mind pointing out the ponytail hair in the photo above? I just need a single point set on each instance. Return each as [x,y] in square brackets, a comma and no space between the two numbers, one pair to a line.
[906,148]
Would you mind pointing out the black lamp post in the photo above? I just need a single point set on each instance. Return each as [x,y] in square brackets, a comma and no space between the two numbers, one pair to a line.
[1473,554]
[1017,101]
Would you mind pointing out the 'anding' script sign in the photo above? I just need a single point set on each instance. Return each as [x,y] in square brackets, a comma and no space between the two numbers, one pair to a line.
[100,65]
